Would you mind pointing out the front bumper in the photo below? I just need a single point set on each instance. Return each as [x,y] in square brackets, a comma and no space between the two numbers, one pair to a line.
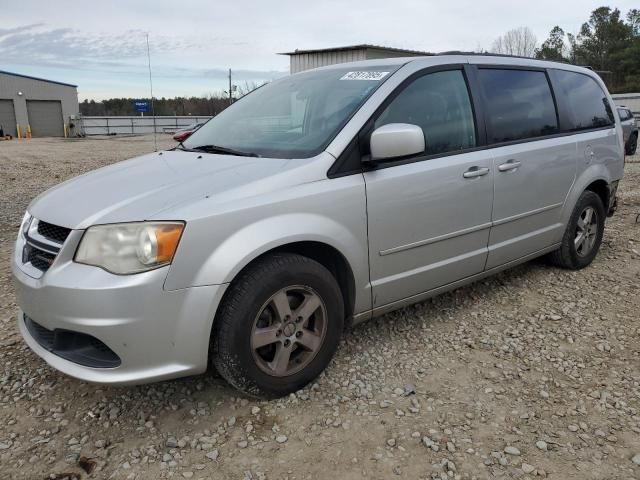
[156,334]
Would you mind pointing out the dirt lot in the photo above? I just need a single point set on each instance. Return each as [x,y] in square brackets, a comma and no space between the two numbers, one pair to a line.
[535,372]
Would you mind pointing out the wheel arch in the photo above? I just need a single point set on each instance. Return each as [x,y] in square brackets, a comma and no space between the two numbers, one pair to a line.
[323,253]
[597,179]
[601,188]
[332,260]
[328,256]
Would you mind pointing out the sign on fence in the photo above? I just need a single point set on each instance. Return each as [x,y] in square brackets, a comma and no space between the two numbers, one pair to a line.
[141,106]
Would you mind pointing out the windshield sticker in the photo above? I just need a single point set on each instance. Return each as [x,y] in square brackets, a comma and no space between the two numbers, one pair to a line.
[375,76]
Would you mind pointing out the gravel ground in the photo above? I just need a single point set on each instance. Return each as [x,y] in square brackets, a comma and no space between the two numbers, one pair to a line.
[534,372]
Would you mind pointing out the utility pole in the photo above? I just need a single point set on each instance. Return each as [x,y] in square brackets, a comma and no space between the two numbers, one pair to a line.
[230,92]
[153,111]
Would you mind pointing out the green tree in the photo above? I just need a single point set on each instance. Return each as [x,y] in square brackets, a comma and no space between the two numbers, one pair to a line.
[629,58]
[633,20]
[554,47]
[601,38]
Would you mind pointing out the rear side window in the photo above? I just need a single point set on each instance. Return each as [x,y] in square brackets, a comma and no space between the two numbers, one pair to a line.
[519,104]
[588,105]
[438,103]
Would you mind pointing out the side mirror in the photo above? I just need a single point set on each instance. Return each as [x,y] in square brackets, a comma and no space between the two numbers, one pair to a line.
[396,140]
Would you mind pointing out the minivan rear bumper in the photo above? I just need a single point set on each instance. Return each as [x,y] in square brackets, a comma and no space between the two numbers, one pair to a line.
[154,334]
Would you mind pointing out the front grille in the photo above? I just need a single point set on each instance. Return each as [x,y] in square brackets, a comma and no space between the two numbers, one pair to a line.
[54,233]
[43,245]
[76,347]
[39,258]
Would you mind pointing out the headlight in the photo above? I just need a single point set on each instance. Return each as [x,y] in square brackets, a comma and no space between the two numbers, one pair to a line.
[130,247]
[26,223]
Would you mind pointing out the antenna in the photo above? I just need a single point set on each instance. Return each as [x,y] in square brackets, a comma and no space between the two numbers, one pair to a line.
[153,110]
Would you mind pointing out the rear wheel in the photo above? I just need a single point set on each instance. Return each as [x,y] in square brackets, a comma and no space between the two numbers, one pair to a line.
[583,236]
[278,326]
[632,144]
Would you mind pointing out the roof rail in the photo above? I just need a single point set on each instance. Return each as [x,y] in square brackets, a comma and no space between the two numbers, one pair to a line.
[489,54]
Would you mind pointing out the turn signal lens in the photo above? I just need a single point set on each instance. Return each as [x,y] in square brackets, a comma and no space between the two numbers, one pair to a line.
[167,238]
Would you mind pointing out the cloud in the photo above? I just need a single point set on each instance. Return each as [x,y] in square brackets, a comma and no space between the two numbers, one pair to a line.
[193,43]
[9,31]
[36,44]
[121,55]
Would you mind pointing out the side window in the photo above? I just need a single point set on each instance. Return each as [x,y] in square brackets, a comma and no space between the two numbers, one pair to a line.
[438,103]
[519,104]
[588,105]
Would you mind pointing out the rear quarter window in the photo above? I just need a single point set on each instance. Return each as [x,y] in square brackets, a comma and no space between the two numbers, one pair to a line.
[587,102]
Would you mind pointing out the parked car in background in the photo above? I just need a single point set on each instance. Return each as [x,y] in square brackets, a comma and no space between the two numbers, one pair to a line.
[182,135]
[320,200]
[629,129]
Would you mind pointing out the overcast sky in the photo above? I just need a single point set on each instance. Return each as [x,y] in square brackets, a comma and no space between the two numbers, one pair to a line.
[100,46]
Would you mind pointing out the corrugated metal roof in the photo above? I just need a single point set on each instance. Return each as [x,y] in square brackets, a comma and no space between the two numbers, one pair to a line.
[39,79]
[362,46]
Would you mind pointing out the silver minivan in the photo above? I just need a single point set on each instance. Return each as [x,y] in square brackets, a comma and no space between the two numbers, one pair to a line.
[316,202]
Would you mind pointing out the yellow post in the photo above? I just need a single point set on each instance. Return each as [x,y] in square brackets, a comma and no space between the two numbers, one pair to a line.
[28,130]
[65,130]
[18,130]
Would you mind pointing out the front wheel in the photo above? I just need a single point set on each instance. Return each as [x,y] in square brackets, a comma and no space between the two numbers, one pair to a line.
[278,326]
[583,236]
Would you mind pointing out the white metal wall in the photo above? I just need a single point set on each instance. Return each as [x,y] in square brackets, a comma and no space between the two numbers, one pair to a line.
[307,61]
[299,62]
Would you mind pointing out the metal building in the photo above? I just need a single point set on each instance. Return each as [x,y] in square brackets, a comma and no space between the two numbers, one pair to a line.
[300,60]
[43,106]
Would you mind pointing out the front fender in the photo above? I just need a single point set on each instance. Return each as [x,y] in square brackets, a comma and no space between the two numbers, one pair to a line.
[238,250]
[220,239]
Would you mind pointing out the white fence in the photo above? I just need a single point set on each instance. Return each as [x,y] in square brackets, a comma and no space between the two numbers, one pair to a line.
[136,125]
[630,100]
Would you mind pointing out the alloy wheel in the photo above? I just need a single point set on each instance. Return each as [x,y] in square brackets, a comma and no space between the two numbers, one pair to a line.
[586,232]
[289,331]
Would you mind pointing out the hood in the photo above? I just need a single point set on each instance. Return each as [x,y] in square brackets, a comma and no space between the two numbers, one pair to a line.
[136,189]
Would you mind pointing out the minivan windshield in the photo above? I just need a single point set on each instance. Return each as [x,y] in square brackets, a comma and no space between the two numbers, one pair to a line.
[293,117]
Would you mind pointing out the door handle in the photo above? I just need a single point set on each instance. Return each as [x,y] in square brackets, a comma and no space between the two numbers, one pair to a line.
[475,172]
[510,165]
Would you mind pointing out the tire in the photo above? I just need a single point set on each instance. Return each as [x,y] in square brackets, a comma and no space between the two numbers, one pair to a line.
[574,255]
[632,145]
[300,342]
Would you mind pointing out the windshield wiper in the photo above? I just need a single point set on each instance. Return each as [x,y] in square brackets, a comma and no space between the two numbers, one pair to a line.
[219,149]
